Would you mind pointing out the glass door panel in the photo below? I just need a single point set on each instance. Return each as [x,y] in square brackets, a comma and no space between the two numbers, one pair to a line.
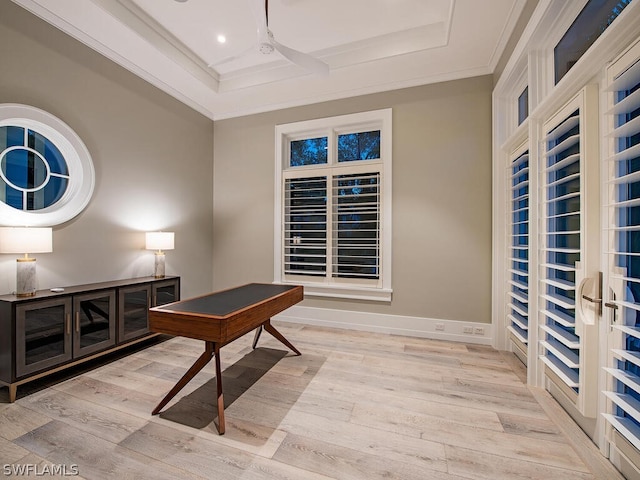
[133,315]
[166,292]
[43,333]
[95,322]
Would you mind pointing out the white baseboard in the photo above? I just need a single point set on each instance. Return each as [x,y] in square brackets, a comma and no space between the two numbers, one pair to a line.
[452,330]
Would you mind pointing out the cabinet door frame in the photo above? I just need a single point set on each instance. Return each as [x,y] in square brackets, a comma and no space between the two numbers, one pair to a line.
[122,335]
[24,369]
[155,286]
[78,350]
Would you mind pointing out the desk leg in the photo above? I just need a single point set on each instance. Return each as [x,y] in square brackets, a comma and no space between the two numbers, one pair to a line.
[219,388]
[193,370]
[272,330]
[256,337]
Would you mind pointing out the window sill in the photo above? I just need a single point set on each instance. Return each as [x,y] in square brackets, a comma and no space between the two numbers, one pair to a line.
[350,292]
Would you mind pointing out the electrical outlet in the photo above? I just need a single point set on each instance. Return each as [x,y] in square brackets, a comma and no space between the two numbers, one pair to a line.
[467,330]
[478,331]
[440,327]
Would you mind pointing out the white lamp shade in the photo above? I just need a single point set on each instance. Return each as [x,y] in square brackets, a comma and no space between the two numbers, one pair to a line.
[26,240]
[159,240]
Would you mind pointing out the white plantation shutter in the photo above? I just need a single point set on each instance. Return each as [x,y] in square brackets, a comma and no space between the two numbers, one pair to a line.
[561,214]
[518,290]
[624,233]
[356,226]
[305,226]
[333,220]
[354,230]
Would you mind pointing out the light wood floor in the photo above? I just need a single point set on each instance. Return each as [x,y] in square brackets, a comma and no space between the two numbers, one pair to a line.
[355,405]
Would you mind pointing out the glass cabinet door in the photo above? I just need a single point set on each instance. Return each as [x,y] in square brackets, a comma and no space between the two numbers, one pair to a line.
[133,314]
[94,318]
[165,292]
[43,335]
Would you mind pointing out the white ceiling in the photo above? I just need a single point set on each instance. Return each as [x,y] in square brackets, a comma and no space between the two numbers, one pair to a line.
[369,45]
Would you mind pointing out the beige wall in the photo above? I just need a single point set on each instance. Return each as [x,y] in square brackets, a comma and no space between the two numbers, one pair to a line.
[152,156]
[153,159]
[441,198]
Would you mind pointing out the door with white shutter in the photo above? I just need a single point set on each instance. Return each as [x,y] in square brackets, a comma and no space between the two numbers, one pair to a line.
[622,282]
[568,293]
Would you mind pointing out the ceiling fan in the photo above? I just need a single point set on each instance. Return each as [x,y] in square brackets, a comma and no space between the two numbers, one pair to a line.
[267,44]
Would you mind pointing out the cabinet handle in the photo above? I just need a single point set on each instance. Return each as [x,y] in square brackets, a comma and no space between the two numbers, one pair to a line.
[78,322]
[68,324]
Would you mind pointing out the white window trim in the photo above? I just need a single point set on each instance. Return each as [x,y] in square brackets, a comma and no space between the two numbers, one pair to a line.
[331,126]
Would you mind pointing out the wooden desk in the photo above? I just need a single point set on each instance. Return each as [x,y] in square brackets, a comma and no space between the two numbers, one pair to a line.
[220,318]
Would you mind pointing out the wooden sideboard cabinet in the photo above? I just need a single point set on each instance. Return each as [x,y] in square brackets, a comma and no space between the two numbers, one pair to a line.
[51,331]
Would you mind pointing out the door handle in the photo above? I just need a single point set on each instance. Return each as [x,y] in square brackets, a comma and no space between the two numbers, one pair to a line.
[613,318]
[588,318]
[592,300]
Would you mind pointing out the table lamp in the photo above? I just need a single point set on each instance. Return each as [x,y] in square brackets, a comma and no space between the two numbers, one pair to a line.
[159,241]
[26,240]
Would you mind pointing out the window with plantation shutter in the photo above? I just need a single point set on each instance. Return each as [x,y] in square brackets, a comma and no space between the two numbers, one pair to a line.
[624,233]
[333,218]
[518,302]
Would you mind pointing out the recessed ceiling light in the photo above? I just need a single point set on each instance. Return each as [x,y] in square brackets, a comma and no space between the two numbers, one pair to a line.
[221,38]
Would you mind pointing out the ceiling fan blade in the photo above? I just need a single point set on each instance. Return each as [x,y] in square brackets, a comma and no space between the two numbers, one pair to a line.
[305,61]
[259,10]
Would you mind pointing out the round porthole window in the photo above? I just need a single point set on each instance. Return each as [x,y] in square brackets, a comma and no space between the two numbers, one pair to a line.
[46,172]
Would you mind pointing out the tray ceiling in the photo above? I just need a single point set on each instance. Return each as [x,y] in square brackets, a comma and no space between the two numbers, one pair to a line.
[369,45]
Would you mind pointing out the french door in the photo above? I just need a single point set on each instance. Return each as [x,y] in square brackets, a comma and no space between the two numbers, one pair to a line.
[622,278]
[589,322]
[569,298]
[588,308]
[567,263]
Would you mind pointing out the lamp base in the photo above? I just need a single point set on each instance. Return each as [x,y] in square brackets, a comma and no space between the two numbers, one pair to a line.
[158,266]
[25,277]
